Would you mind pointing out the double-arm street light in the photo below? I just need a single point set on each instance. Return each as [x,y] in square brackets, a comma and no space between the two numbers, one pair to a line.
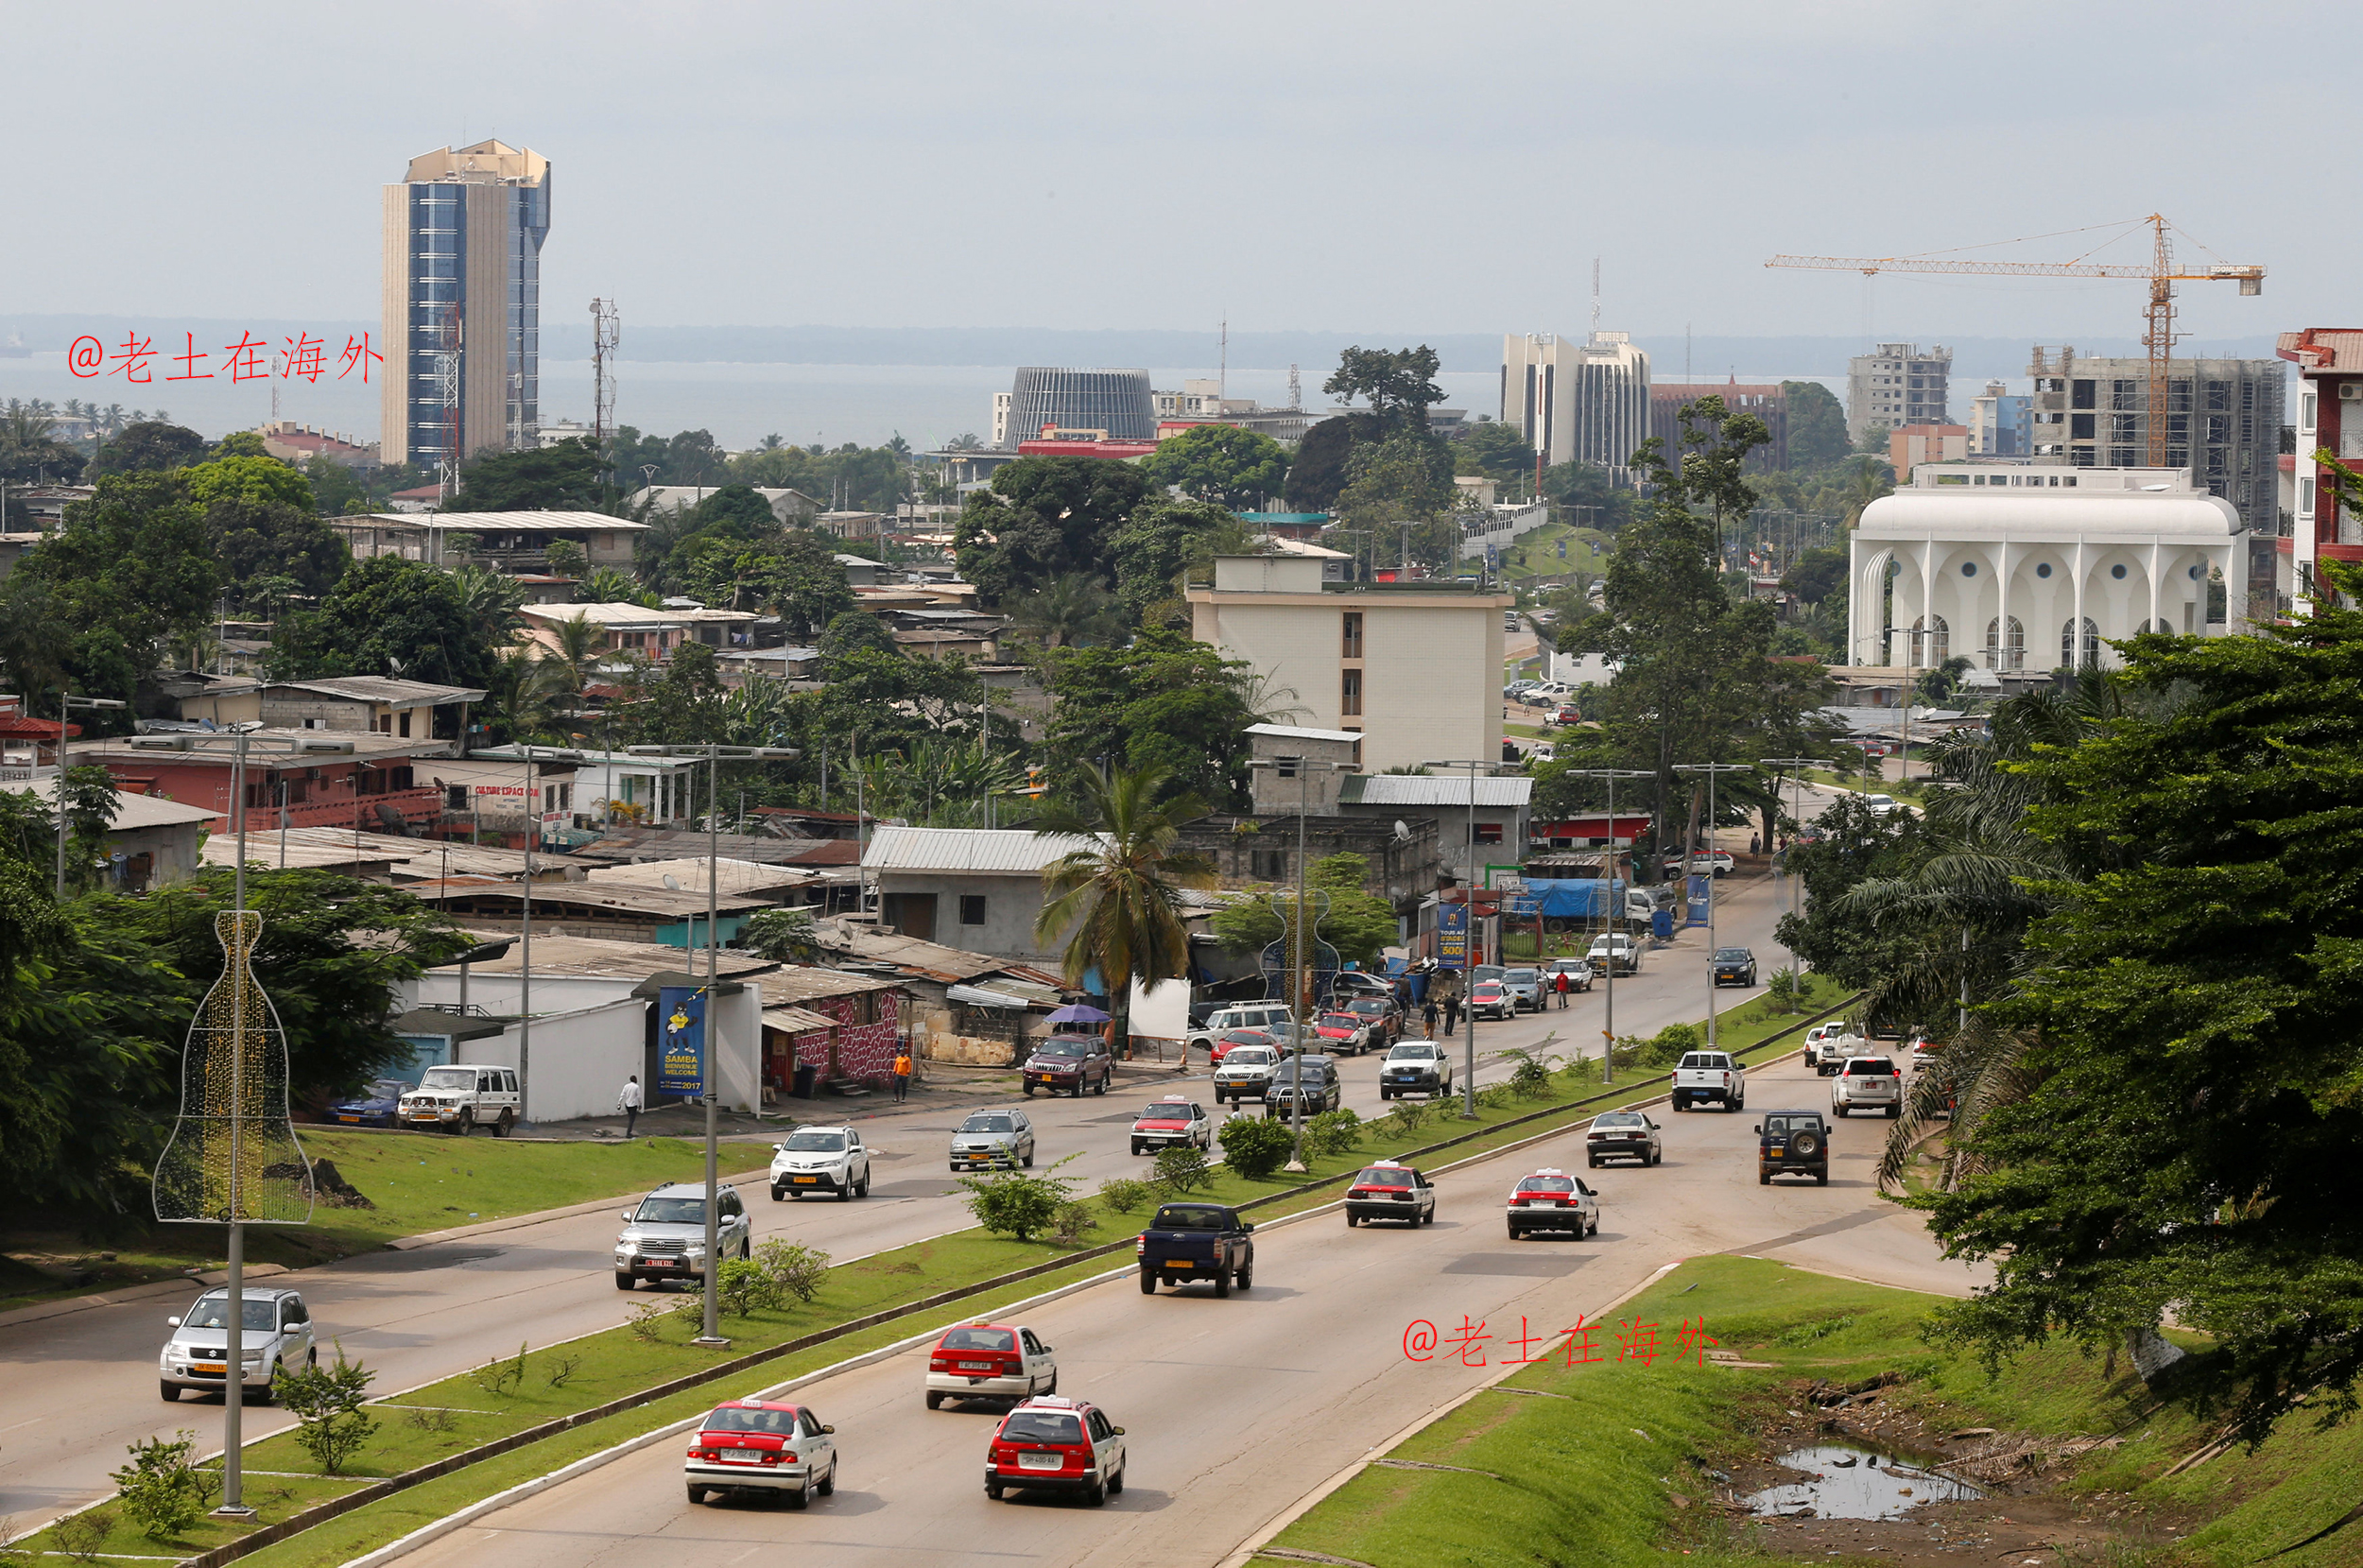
[1607,1025]
[1478,768]
[1303,767]
[714,756]
[1785,766]
[1711,770]
[66,704]
[239,743]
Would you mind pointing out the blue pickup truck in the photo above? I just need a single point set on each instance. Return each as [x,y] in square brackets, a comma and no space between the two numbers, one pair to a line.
[1196,1241]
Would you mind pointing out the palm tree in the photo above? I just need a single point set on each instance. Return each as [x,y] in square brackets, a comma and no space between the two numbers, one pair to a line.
[578,641]
[1116,898]
[491,600]
[606,585]
[1072,609]
[519,706]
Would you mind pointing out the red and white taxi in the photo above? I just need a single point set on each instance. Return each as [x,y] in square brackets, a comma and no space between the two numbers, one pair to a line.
[1057,1445]
[983,1360]
[1172,1123]
[1222,1044]
[1344,1032]
[1553,1201]
[1390,1190]
[758,1446]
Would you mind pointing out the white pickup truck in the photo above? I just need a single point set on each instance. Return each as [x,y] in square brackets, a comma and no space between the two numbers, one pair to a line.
[1828,1046]
[1710,1075]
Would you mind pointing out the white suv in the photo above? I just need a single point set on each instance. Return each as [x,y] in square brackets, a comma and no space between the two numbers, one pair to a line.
[275,1331]
[1245,1074]
[820,1159]
[462,1098]
[1244,1015]
[1868,1083]
[1614,952]
[664,1237]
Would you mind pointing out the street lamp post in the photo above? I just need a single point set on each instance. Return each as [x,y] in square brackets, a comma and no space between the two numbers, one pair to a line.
[1780,766]
[531,755]
[1711,769]
[1468,900]
[234,1363]
[1608,1023]
[67,703]
[1303,767]
[714,756]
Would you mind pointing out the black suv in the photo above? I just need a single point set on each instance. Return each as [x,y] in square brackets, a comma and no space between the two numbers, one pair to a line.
[1793,1143]
[1321,1091]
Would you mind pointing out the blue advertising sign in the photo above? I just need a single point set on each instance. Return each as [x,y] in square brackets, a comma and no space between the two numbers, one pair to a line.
[681,1045]
[1452,935]
[1697,896]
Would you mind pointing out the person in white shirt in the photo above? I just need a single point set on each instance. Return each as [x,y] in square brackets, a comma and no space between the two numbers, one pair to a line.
[628,1102]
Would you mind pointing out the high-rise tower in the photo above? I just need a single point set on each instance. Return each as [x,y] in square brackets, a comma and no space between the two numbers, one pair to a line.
[462,304]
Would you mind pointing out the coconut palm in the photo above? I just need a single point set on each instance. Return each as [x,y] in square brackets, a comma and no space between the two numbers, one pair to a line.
[1073,611]
[491,600]
[1114,899]
[579,641]
[521,701]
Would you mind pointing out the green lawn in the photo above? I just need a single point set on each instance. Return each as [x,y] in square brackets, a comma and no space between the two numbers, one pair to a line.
[417,1182]
[1591,1477]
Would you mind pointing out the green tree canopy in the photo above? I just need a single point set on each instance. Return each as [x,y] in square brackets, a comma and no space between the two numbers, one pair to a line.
[256,480]
[1358,923]
[1234,468]
[1163,539]
[31,453]
[1320,470]
[148,446]
[857,632]
[129,569]
[1164,704]
[1043,518]
[384,613]
[1400,384]
[562,477]
[1817,426]
[1817,574]
[1494,450]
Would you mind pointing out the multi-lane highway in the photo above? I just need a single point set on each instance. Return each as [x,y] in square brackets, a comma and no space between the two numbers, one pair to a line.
[82,1384]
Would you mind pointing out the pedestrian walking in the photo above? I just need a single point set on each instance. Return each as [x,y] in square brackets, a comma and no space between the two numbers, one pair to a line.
[903,1074]
[1452,1011]
[628,1101]
[1755,843]
[1428,1015]
[1563,986]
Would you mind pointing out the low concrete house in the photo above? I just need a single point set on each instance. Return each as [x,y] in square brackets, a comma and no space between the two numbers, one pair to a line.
[980,886]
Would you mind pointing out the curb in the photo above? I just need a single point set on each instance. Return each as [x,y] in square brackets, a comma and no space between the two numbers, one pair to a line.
[515,1222]
[150,1290]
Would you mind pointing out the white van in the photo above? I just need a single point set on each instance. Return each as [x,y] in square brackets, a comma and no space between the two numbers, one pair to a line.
[1244,1015]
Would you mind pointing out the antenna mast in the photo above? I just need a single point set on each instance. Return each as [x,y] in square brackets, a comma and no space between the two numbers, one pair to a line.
[1222,371]
[1595,297]
[603,331]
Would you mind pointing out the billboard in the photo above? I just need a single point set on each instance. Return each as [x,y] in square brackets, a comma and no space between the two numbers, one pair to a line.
[1452,935]
[680,1046]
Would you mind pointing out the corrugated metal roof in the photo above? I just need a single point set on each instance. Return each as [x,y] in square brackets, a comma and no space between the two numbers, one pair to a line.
[797,1019]
[732,877]
[377,688]
[512,521]
[1411,789]
[1012,852]
[1292,732]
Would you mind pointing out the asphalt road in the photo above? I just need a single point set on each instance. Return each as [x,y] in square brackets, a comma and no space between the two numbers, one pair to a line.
[1236,1408]
[83,1385]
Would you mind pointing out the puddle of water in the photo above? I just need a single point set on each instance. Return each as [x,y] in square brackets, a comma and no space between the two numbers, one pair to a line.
[1852,1482]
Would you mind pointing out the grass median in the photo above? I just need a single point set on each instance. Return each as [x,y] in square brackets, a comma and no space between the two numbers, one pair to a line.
[1635,1461]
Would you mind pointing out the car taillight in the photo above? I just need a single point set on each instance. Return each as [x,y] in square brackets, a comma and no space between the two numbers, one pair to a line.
[939,1364]
[701,1452]
[1078,1455]
[1140,1245]
[782,1458]
[1011,1366]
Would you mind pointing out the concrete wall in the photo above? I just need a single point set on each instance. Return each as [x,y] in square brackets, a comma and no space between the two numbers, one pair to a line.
[590,1034]
[1011,905]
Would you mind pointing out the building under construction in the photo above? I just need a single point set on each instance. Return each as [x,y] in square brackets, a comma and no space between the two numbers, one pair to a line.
[462,305]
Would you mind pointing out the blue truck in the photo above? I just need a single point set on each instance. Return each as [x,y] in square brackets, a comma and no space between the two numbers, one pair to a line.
[1196,1241]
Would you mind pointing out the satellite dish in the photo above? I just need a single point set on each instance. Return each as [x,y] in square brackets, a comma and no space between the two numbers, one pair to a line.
[1403,830]
[672,882]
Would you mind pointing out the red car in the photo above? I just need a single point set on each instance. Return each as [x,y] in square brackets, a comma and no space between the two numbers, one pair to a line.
[1172,1123]
[1222,1043]
[1343,1031]
[754,1445]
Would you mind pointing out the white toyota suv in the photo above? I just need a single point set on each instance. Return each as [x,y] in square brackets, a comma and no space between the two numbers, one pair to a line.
[462,1098]
[820,1159]
[664,1237]
[1868,1083]
[274,1331]
[1245,1074]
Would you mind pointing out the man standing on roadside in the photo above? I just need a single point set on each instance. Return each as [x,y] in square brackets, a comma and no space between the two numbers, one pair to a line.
[1428,1015]
[903,1074]
[628,1102]
[1451,1010]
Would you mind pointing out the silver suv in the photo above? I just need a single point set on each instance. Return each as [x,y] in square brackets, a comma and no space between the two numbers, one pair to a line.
[664,1236]
[275,1331]
[991,1138]
[820,1159]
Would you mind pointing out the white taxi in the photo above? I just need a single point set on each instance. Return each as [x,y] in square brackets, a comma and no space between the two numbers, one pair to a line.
[756,1445]
[1553,1201]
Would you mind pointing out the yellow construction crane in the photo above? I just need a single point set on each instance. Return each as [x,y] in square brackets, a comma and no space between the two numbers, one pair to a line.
[2158,335]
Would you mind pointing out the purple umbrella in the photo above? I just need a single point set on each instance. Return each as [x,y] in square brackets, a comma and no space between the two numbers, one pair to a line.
[1078,1012]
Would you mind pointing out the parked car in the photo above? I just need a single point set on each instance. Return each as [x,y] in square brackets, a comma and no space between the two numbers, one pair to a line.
[1172,1123]
[1320,1089]
[1793,1142]
[1052,1445]
[1550,1200]
[1242,1015]
[1389,1190]
[1219,1049]
[990,1138]
[665,1233]
[1245,1072]
[1578,972]
[1526,989]
[1567,712]
[1712,863]
[462,1098]
[274,1331]
[1196,1241]
[1415,1067]
[987,1360]
[1542,751]
[765,1447]
[1075,1062]
[1380,1013]
[1828,1046]
[1616,953]
[376,1106]
[820,1159]
[1623,1135]
[1344,1032]
[1491,999]
[1487,972]
[1710,1075]
[1868,1083]
[1359,981]
[1734,966]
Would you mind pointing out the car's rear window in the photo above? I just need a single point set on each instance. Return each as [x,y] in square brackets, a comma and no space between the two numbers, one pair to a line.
[1519,976]
[979,1339]
[1042,1427]
[1189,1216]
[1163,1112]
[780,1423]
[1865,1067]
[1547,1184]
[1619,1118]
[1790,1123]
[1379,1176]
[1706,1059]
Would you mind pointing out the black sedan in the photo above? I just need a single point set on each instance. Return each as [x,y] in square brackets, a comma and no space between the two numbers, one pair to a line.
[1734,966]
[373,1107]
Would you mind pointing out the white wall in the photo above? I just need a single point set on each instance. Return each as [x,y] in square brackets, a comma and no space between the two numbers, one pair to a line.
[622,1041]
[581,1059]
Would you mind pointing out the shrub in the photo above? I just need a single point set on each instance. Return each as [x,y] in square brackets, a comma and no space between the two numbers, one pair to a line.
[1256,1146]
[1338,1132]
[744,1287]
[1670,1043]
[1182,1170]
[1407,1115]
[162,1491]
[1123,1196]
[562,1370]
[1532,1078]
[1785,992]
[82,1534]
[500,1378]
[1497,1097]
[1072,1225]
[1017,1203]
[423,1418]
[645,1319]
[326,1403]
[794,1269]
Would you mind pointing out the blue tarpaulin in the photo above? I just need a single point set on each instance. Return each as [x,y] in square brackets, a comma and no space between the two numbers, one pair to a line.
[1576,898]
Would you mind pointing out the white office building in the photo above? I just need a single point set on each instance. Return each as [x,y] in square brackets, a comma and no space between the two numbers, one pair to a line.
[1580,403]
[2028,568]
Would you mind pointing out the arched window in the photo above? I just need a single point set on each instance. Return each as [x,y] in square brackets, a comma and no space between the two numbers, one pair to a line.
[1931,641]
[2091,652]
[2006,650]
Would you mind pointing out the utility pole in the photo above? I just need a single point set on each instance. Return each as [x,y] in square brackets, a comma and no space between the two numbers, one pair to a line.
[67,703]
[1476,767]
[1711,769]
[1303,768]
[1607,1025]
[1779,764]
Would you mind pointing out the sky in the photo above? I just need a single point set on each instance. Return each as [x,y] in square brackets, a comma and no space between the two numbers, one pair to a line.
[1371,167]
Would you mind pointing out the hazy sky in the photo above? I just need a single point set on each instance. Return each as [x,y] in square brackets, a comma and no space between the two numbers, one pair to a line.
[1365,166]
